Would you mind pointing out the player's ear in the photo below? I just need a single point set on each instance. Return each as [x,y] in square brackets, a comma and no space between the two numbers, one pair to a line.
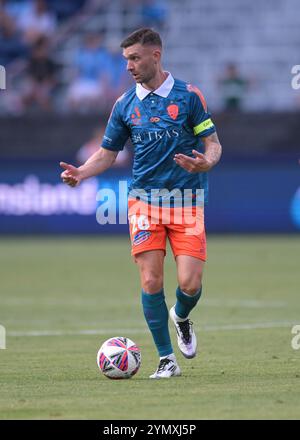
[157,54]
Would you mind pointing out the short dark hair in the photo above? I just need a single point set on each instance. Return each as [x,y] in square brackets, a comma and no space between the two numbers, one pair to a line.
[144,36]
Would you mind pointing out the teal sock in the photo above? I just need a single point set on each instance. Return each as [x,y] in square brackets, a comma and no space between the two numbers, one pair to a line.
[185,303]
[156,314]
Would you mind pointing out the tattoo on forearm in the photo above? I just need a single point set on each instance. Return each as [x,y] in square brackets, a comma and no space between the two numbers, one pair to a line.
[213,152]
[213,149]
[213,138]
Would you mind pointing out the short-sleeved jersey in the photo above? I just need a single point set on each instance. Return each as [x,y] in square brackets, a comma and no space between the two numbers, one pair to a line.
[159,127]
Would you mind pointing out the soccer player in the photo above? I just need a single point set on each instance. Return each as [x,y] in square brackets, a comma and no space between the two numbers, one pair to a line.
[175,145]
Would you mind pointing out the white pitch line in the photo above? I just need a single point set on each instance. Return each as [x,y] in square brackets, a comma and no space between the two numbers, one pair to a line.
[76,332]
[252,326]
[244,304]
[207,302]
[206,328]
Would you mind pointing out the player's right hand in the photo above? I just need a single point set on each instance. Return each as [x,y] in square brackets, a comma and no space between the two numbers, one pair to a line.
[71,175]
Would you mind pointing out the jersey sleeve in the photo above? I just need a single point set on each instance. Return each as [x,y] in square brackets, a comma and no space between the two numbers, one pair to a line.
[116,132]
[199,116]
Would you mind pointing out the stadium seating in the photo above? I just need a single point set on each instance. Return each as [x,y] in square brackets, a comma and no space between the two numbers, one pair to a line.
[200,38]
[263,39]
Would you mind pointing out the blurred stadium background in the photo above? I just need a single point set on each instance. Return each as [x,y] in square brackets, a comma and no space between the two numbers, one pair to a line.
[64,70]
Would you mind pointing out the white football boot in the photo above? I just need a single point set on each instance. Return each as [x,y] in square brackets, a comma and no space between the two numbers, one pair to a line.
[186,338]
[167,368]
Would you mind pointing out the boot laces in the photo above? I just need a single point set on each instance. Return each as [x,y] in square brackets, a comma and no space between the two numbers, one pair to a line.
[185,328]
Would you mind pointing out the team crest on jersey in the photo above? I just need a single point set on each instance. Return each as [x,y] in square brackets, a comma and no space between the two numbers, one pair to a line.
[173,111]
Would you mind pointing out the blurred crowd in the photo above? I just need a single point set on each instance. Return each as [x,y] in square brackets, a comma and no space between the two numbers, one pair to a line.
[96,71]
[24,22]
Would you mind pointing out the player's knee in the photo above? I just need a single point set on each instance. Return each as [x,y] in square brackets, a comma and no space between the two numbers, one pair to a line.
[190,285]
[190,290]
[152,283]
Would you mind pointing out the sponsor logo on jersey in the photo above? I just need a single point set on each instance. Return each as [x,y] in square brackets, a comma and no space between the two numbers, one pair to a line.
[154,119]
[140,237]
[144,136]
[173,111]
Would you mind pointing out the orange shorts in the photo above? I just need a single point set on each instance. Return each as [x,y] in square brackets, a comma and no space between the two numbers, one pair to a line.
[151,225]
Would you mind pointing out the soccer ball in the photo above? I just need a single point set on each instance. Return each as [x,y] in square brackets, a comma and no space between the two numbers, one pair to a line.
[119,358]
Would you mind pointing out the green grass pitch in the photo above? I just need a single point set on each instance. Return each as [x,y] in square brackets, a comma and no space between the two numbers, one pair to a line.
[61,298]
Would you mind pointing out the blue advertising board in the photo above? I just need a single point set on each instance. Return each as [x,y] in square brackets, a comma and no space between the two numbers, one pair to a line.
[243,197]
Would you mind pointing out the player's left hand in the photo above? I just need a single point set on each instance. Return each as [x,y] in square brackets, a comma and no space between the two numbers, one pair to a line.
[196,164]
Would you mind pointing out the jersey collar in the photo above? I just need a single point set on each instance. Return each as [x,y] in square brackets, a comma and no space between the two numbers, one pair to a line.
[163,90]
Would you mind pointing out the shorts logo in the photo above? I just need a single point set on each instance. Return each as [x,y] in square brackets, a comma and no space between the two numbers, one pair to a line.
[173,111]
[140,237]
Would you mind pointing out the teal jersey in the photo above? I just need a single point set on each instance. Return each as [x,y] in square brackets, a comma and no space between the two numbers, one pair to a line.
[169,120]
